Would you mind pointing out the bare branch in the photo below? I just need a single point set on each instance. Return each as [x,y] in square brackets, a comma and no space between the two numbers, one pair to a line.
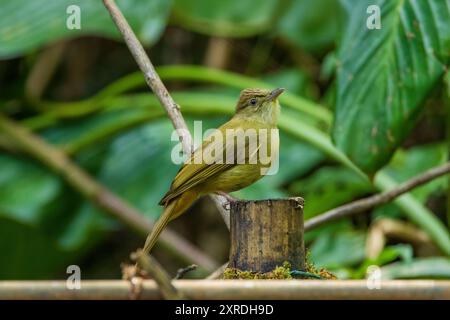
[157,86]
[365,204]
[151,77]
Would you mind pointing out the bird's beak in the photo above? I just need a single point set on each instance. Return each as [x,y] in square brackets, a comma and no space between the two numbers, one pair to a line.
[274,94]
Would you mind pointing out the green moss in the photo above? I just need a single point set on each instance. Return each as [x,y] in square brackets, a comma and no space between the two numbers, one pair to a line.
[311,268]
[281,272]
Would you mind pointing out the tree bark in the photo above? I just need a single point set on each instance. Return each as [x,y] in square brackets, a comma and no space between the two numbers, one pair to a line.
[266,233]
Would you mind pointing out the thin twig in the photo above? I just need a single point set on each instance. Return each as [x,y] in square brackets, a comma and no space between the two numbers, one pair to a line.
[81,181]
[365,204]
[182,271]
[157,272]
[157,86]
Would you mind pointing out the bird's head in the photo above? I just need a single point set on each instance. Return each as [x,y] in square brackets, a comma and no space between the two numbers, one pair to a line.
[259,104]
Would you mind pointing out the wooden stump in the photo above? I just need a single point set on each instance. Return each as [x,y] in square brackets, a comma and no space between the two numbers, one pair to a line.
[266,233]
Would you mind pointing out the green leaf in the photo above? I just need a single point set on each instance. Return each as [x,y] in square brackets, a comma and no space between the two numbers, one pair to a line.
[25,188]
[27,25]
[434,268]
[85,229]
[389,254]
[311,25]
[74,135]
[232,18]
[384,75]
[344,248]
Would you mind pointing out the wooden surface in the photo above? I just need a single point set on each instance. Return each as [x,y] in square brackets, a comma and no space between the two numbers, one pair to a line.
[266,233]
[232,289]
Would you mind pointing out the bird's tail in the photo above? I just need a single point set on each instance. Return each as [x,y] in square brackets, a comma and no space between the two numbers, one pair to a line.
[174,209]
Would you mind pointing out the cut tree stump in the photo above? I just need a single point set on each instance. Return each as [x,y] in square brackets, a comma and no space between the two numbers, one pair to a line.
[266,233]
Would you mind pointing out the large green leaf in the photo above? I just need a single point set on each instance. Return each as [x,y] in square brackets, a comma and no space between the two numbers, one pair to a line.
[311,25]
[232,18]
[385,74]
[26,25]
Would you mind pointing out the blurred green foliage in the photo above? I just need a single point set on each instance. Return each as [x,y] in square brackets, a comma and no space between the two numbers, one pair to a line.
[385,75]
[34,24]
[367,87]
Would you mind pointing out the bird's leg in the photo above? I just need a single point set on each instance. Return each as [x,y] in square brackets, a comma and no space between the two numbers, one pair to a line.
[229,198]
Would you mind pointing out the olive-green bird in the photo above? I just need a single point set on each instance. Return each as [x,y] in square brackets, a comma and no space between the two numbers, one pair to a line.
[231,165]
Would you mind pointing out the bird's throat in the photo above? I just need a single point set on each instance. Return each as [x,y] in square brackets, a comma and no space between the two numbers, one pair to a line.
[270,113]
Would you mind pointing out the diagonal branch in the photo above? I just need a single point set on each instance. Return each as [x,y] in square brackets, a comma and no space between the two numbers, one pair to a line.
[157,86]
[103,198]
[365,204]
[151,77]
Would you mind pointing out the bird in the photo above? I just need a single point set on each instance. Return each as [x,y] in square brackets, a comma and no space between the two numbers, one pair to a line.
[224,163]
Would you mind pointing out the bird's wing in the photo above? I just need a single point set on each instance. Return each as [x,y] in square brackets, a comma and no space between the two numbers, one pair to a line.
[197,170]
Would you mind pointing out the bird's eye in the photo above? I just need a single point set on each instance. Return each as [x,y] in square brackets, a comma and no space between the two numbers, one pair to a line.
[253,101]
